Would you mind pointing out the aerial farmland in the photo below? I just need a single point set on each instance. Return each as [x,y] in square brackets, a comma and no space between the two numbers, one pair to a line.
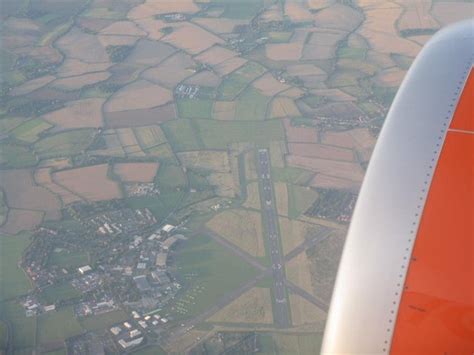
[137,214]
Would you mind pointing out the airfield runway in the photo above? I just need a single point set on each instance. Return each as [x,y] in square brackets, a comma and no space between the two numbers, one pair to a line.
[281,308]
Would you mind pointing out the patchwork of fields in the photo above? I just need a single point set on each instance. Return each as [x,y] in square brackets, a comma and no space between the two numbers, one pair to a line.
[163,106]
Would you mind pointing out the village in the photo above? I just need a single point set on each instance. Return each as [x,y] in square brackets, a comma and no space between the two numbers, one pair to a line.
[137,269]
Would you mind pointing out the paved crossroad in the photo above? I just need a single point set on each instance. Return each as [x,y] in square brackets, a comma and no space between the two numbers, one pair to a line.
[281,308]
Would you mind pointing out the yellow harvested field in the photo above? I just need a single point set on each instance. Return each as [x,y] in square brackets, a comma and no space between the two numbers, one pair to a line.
[284,51]
[126,28]
[32,85]
[448,12]
[411,19]
[250,166]
[206,159]
[171,71]
[215,55]
[272,13]
[157,7]
[319,4]
[242,228]
[379,29]
[224,110]
[391,77]
[253,197]
[322,44]
[281,196]
[224,184]
[129,142]
[117,40]
[356,138]
[186,341]
[365,142]
[21,192]
[294,233]
[90,183]
[277,154]
[331,182]
[321,151]
[340,169]
[78,114]
[139,95]
[294,93]
[191,38]
[268,85]
[304,69]
[254,306]
[136,172]
[83,46]
[78,82]
[73,67]
[17,24]
[152,26]
[43,178]
[325,262]
[300,134]
[229,66]
[338,16]
[303,312]
[149,136]
[298,271]
[204,78]
[282,107]
[21,220]
[297,12]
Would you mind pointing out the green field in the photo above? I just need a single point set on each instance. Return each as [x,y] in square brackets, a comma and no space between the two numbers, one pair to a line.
[314,101]
[162,152]
[300,199]
[57,293]
[56,326]
[215,272]
[211,134]
[171,181]
[243,9]
[182,135]
[3,336]
[3,208]
[67,259]
[279,37]
[30,130]
[150,350]
[16,156]
[238,80]
[65,143]
[170,176]
[23,328]
[252,105]
[194,108]
[62,351]
[104,13]
[291,175]
[13,281]
[160,206]
[343,78]
[104,320]
[352,53]
[280,343]
[9,123]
